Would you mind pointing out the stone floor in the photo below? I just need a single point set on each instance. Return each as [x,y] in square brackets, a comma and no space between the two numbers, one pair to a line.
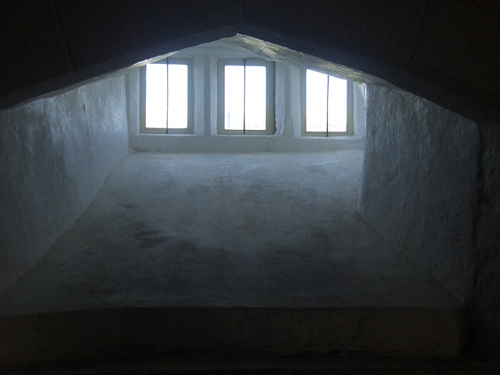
[225,230]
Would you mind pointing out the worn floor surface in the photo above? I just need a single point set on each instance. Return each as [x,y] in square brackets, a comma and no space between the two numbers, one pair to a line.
[254,230]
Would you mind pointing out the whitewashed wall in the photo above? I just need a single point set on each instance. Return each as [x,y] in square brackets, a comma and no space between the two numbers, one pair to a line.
[55,154]
[419,183]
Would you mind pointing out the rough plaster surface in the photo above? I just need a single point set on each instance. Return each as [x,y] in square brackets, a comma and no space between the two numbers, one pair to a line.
[419,181]
[55,155]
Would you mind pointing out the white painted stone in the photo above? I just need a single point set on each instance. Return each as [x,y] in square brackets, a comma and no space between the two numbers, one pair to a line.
[418,187]
[55,155]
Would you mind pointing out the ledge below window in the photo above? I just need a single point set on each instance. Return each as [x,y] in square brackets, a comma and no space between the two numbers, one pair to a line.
[191,143]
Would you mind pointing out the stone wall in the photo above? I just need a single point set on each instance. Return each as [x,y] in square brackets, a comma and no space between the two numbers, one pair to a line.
[431,186]
[55,154]
[419,183]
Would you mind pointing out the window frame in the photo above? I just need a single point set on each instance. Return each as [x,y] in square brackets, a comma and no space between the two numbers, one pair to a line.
[190,104]
[303,107]
[270,95]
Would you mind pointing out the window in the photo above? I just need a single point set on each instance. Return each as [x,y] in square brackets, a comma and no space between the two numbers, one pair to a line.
[326,105]
[245,96]
[245,101]
[166,97]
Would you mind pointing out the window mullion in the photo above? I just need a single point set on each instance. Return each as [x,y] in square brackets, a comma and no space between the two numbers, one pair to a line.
[168,92]
[244,94]
[327,100]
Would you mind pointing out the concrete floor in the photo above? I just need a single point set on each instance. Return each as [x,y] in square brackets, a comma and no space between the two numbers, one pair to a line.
[225,230]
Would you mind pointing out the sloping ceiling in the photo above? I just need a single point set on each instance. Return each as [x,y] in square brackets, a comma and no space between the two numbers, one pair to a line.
[445,51]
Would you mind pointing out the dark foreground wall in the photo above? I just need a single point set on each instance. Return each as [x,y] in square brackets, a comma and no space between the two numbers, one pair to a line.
[55,155]
[485,302]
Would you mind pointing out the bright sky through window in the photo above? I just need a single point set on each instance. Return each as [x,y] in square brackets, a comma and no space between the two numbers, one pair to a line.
[163,100]
[244,97]
[317,85]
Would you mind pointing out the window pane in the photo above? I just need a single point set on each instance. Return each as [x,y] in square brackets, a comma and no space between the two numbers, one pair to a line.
[316,111]
[178,96]
[337,105]
[255,101]
[315,101]
[156,96]
[233,97]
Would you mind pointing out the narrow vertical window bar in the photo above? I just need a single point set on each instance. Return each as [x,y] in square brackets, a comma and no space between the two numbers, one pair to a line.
[168,81]
[327,100]
[244,93]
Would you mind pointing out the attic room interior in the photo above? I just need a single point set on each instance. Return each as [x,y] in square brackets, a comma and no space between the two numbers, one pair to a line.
[205,186]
